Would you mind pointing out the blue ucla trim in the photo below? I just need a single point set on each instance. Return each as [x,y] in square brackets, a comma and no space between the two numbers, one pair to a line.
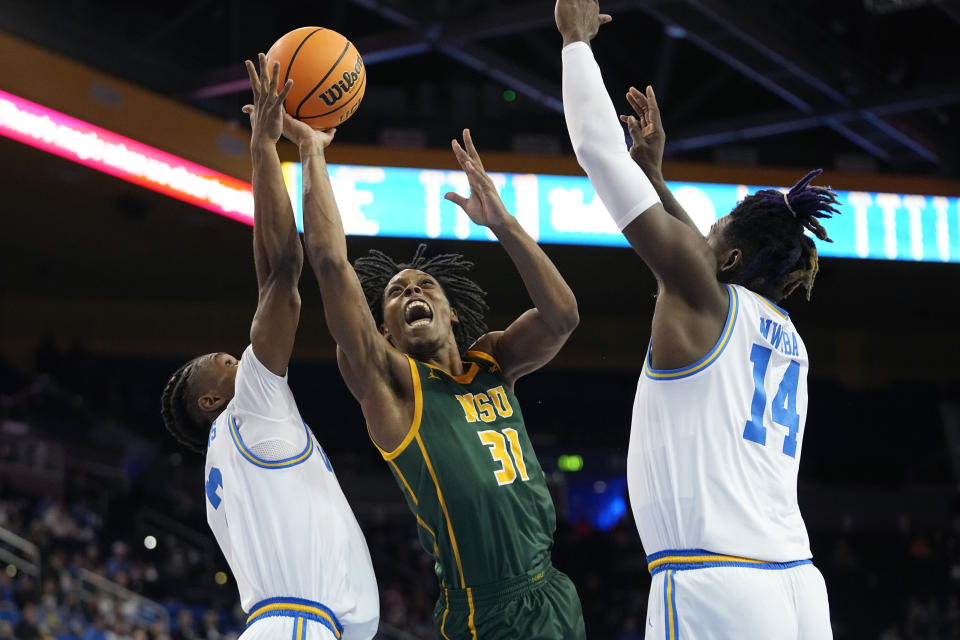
[270,464]
[672,560]
[712,355]
[300,609]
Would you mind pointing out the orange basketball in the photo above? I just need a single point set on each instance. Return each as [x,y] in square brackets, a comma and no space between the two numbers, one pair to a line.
[328,75]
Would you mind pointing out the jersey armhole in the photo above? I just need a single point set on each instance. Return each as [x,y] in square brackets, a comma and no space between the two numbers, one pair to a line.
[269,464]
[712,355]
[417,414]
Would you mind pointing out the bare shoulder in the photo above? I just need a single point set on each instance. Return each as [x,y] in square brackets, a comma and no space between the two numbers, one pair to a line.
[682,332]
[487,343]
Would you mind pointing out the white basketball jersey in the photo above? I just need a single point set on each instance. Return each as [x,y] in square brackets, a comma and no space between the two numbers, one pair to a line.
[280,516]
[715,446]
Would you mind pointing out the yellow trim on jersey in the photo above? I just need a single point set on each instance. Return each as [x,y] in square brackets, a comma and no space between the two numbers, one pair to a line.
[299,631]
[484,356]
[772,306]
[417,414]
[698,559]
[443,505]
[467,376]
[710,357]
[267,464]
[404,481]
[473,627]
[464,378]
[424,525]
[291,606]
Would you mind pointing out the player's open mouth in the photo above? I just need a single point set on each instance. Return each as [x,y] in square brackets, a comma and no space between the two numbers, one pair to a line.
[417,313]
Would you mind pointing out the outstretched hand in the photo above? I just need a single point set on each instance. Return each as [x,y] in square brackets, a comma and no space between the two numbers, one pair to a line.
[300,133]
[484,206]
[646,131]
[266,112]
[579,20]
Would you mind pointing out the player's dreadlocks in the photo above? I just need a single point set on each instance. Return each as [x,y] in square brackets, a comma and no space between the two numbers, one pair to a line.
[178,407]
[769,227]
[376,268]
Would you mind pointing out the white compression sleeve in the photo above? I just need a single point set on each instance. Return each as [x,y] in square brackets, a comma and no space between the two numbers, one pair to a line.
[597,138]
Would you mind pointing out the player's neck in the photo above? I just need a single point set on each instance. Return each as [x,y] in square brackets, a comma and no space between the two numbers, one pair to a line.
[446,358]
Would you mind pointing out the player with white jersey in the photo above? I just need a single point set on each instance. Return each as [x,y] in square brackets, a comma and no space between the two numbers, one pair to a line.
[273,502]
[720,410]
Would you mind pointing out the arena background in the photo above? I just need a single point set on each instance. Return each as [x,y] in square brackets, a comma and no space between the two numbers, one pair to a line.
[106,287]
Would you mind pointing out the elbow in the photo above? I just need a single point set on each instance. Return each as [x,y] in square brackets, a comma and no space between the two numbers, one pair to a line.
[566,322]
[588,153]
[286,268]
[326,262]
[572,319]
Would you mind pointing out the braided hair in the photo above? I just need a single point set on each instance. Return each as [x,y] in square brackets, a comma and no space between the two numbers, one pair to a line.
[465,296]
[181,415]
[770,227]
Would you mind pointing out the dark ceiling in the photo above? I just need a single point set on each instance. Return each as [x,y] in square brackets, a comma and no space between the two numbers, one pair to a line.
[857,85]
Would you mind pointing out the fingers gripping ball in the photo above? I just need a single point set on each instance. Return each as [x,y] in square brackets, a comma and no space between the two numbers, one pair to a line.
[328,75]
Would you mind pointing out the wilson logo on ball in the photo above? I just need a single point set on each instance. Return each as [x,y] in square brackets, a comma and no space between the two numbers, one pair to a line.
[329,78]
[333,95]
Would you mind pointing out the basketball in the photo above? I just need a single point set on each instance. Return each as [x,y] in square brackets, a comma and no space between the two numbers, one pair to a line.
[328,75]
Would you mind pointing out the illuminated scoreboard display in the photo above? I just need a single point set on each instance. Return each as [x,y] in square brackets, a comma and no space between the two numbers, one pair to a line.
[409,203]
[401,202]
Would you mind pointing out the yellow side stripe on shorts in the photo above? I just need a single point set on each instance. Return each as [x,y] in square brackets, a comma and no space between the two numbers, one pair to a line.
[443,621]
[671,606]
[472,627]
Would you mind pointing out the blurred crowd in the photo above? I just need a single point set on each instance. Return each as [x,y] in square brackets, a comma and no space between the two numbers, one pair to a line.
[889,586]
[82,455]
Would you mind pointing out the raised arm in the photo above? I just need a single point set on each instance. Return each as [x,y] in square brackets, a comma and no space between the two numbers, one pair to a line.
[536,336]
[375,373]
[277,253]
[677,254]
[648,139]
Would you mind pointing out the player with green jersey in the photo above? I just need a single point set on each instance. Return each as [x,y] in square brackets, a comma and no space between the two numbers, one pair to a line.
[436,390]
[468,471]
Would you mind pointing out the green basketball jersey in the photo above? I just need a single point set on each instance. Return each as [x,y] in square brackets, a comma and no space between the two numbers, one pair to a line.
[470,476]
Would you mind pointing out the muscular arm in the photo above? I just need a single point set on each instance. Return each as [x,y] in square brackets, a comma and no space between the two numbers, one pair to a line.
[670,203]
[376,374]
[344,305]
[677,254]
[534,338]
[277,253]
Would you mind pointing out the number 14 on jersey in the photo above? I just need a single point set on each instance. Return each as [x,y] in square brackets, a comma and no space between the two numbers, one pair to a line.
[784,407]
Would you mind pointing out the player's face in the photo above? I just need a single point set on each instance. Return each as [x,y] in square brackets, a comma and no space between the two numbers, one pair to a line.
[417,317]
[216,375]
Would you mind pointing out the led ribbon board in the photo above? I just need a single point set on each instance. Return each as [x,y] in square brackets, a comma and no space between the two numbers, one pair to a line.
[406,202]
[124,158]
[401,202]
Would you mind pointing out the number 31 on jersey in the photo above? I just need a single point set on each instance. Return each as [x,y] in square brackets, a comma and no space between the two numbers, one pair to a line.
[509,469]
